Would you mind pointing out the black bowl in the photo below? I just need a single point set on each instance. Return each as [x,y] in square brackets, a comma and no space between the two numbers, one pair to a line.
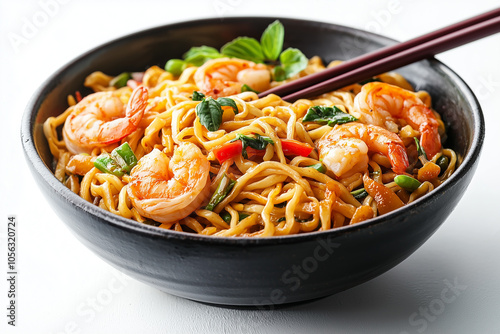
[239,271]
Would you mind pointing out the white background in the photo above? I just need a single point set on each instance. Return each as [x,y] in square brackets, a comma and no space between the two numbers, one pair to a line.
[64,288]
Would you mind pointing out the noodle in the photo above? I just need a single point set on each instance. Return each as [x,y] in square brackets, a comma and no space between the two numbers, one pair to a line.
[275,193]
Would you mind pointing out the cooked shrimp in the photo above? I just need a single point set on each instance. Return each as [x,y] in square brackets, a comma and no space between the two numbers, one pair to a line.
[344,149]
[167,190]
[226,76]
[101,119]
[378,103]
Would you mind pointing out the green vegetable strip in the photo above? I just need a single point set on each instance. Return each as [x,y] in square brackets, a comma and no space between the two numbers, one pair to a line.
[224,187]
[319,167]
[443,162]
[420,149]
[120,80]
[124,157]
[226,216]
[247,88]
[359,193]
[106,164]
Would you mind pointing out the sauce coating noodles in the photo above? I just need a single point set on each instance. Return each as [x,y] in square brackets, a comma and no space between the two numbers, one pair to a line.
[282,188]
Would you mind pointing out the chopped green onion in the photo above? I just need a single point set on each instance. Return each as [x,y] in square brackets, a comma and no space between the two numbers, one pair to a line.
[359,193]
[319,167]
[106,164]
[407,182]
[175,66]
[121,160]
[420,149]
[120,80]
[223,189]
[124,157]
[282,219]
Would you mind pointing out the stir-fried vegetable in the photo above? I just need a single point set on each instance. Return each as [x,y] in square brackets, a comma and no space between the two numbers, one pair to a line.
[250,146]
[359,193]
[443,163]
[223,189]
[294,147]
[120,80]
[210,111]
[429,170]
[328,115]
[407,182]
[319,167]
[386,199]
[121,161]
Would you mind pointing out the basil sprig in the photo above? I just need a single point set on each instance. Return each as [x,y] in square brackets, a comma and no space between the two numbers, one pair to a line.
[269,49]
[209,111]
[292,62]
[328,115]
[258,142]
[198,55]
[272,40]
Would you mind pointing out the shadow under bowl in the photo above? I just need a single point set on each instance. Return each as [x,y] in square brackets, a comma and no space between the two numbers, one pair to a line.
[246,271]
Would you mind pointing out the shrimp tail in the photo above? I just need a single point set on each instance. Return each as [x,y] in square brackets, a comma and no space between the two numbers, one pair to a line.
[398,157]
[430,139]
[116,130]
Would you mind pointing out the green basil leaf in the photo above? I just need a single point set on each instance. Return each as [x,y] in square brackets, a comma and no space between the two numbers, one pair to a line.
[197,96]
[247,88]
[198,55]
[258,143]
[279,73]
[272,40]
[210,114]
[244,48]
[328,115]
[293,61]
[227,102]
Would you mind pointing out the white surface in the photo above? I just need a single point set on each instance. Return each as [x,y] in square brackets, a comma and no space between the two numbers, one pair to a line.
[60,280]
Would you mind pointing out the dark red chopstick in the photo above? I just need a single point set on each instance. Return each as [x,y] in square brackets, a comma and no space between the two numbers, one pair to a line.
[422,47]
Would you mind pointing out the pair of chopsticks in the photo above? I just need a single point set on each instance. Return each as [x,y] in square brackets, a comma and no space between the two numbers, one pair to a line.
[390,58]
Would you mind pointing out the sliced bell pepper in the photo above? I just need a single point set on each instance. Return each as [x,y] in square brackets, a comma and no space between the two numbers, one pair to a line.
[294,147]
